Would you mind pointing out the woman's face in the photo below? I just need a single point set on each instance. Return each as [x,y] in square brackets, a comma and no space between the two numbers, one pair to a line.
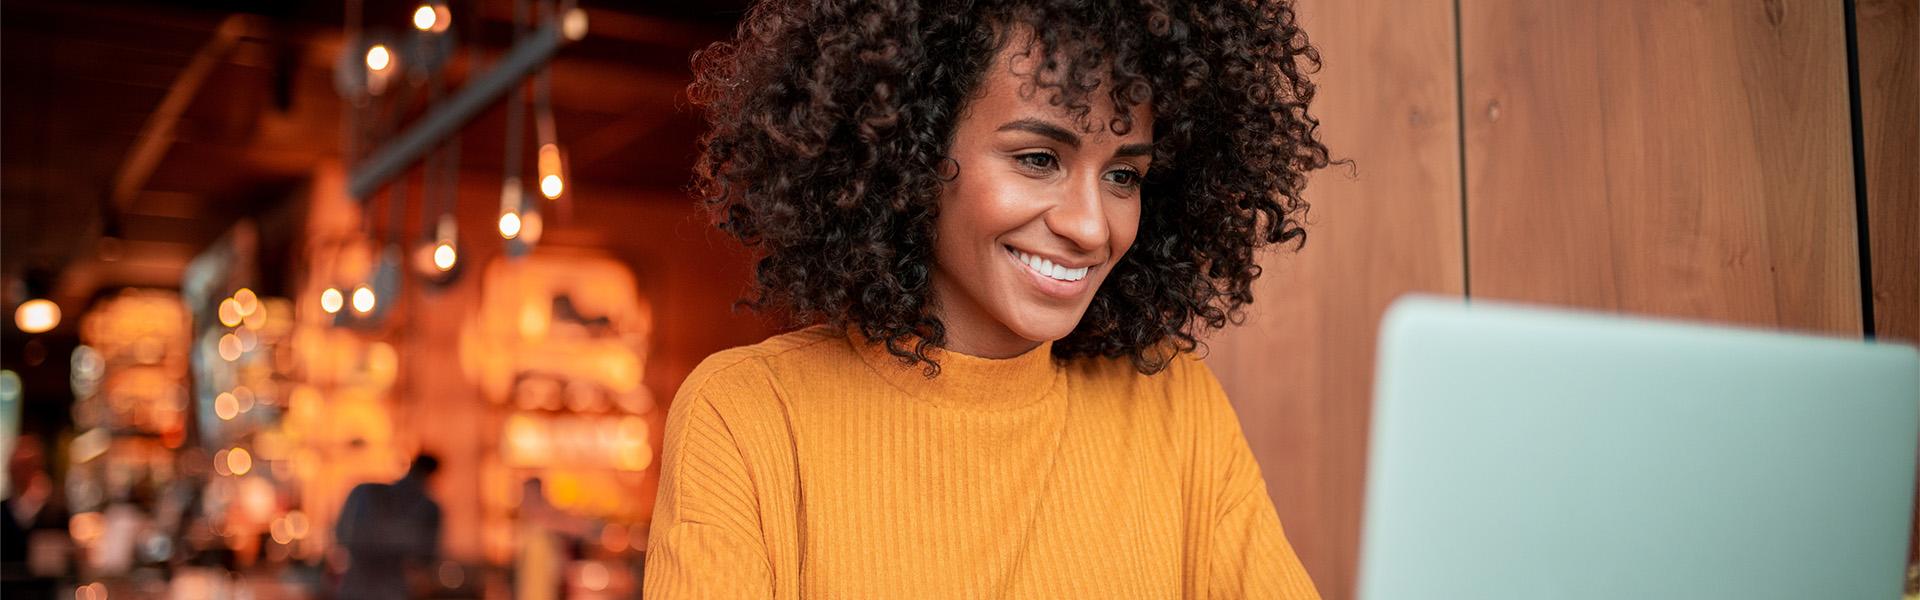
[1037,215]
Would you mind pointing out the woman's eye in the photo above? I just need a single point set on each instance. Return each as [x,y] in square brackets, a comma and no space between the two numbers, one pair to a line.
[1125,177]
[1037,160]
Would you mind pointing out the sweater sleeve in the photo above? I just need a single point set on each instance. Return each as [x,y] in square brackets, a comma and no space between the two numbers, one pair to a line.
[1251,556]
[705,539]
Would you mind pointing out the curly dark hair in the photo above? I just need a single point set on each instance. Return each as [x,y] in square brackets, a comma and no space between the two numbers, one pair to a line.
[830,123]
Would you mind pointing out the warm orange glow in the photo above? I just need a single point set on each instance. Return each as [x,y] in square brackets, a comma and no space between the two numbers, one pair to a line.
[226,406]
[243,398]
[297,524]
[530,227]
[443,256]
[246,301]
[594,576]
[37,315]
[574,24]
[363,299]
[378,58]
[331,300]
[510,224]
[230,347]
[86,527]
[424,18]
[230,313]
[549,162]
[220,464]
[549,168]
[91,591]
[614,537]
[256,319]
[239,461]
[633,451]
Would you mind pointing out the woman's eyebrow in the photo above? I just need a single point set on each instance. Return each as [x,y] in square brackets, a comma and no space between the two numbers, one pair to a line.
[1064,136]
[1039,127]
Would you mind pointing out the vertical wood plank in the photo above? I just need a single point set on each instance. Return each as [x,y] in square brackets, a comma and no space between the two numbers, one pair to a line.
[1888,42]
[1685,159]
[1888,37]
[1300,368]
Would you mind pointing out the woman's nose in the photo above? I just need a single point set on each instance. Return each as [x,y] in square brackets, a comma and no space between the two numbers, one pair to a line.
[1079,216]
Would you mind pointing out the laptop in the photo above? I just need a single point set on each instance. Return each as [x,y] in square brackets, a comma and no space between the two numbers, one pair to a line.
[1531,453]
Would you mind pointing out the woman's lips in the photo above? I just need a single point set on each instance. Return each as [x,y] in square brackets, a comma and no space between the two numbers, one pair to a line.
[1071,284]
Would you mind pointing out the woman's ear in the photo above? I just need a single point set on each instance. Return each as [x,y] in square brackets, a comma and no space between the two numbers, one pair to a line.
[948,169]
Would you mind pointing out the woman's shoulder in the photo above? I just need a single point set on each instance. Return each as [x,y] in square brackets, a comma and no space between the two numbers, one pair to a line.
[1184,375]
[744,368]
[1184,395]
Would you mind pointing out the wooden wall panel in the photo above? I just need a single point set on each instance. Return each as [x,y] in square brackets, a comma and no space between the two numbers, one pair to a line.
[1687,159]
[1888,39]
[1300,369]
[1888,42]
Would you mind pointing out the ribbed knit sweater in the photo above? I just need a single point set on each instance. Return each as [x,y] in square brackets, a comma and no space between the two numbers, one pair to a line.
[816,465]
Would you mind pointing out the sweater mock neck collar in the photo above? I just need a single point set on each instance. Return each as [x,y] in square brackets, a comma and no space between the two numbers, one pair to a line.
[965,380]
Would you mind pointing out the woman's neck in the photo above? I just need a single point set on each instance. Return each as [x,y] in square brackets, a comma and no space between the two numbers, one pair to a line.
[973,332]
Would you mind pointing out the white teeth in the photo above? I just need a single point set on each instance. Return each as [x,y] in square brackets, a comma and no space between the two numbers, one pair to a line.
[1049,269]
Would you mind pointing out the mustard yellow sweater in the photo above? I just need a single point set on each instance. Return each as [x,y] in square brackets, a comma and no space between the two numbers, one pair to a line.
[815,465]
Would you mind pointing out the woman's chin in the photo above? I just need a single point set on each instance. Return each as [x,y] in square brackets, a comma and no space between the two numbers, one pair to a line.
[1048,328]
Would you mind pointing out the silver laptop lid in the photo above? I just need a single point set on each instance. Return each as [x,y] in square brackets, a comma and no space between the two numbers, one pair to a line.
[1527,453]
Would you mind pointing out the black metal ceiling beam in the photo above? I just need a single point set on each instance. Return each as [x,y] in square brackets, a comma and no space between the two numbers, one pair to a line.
[447,117]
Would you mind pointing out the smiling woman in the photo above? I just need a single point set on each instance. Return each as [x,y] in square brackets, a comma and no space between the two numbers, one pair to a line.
[1005,224]
[1036,215]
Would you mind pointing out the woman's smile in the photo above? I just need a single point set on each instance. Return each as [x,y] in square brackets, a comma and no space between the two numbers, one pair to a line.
[1058,278]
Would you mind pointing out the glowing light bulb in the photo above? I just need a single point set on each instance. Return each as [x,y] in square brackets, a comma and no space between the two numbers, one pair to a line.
[226,406]
[595,576]
[509,224]
[297,524]
[443,256]
[331,300]
[239,461]
[363,299]
[424,18]
[230,313]
[378,58]
[549,168]
[243,398]
[230,349]
[247,301]
[37,315]
[574,24]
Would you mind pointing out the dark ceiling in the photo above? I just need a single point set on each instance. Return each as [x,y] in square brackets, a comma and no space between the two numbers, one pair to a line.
[161,124]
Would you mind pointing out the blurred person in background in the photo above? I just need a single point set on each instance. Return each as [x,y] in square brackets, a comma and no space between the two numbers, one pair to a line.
[389,530]
[1005,226]
[548,536]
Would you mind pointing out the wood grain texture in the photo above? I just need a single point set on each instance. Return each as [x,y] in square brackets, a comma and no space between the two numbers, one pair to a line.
[1888,41]
[1684,159]
[1888,36]
[1300,368]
